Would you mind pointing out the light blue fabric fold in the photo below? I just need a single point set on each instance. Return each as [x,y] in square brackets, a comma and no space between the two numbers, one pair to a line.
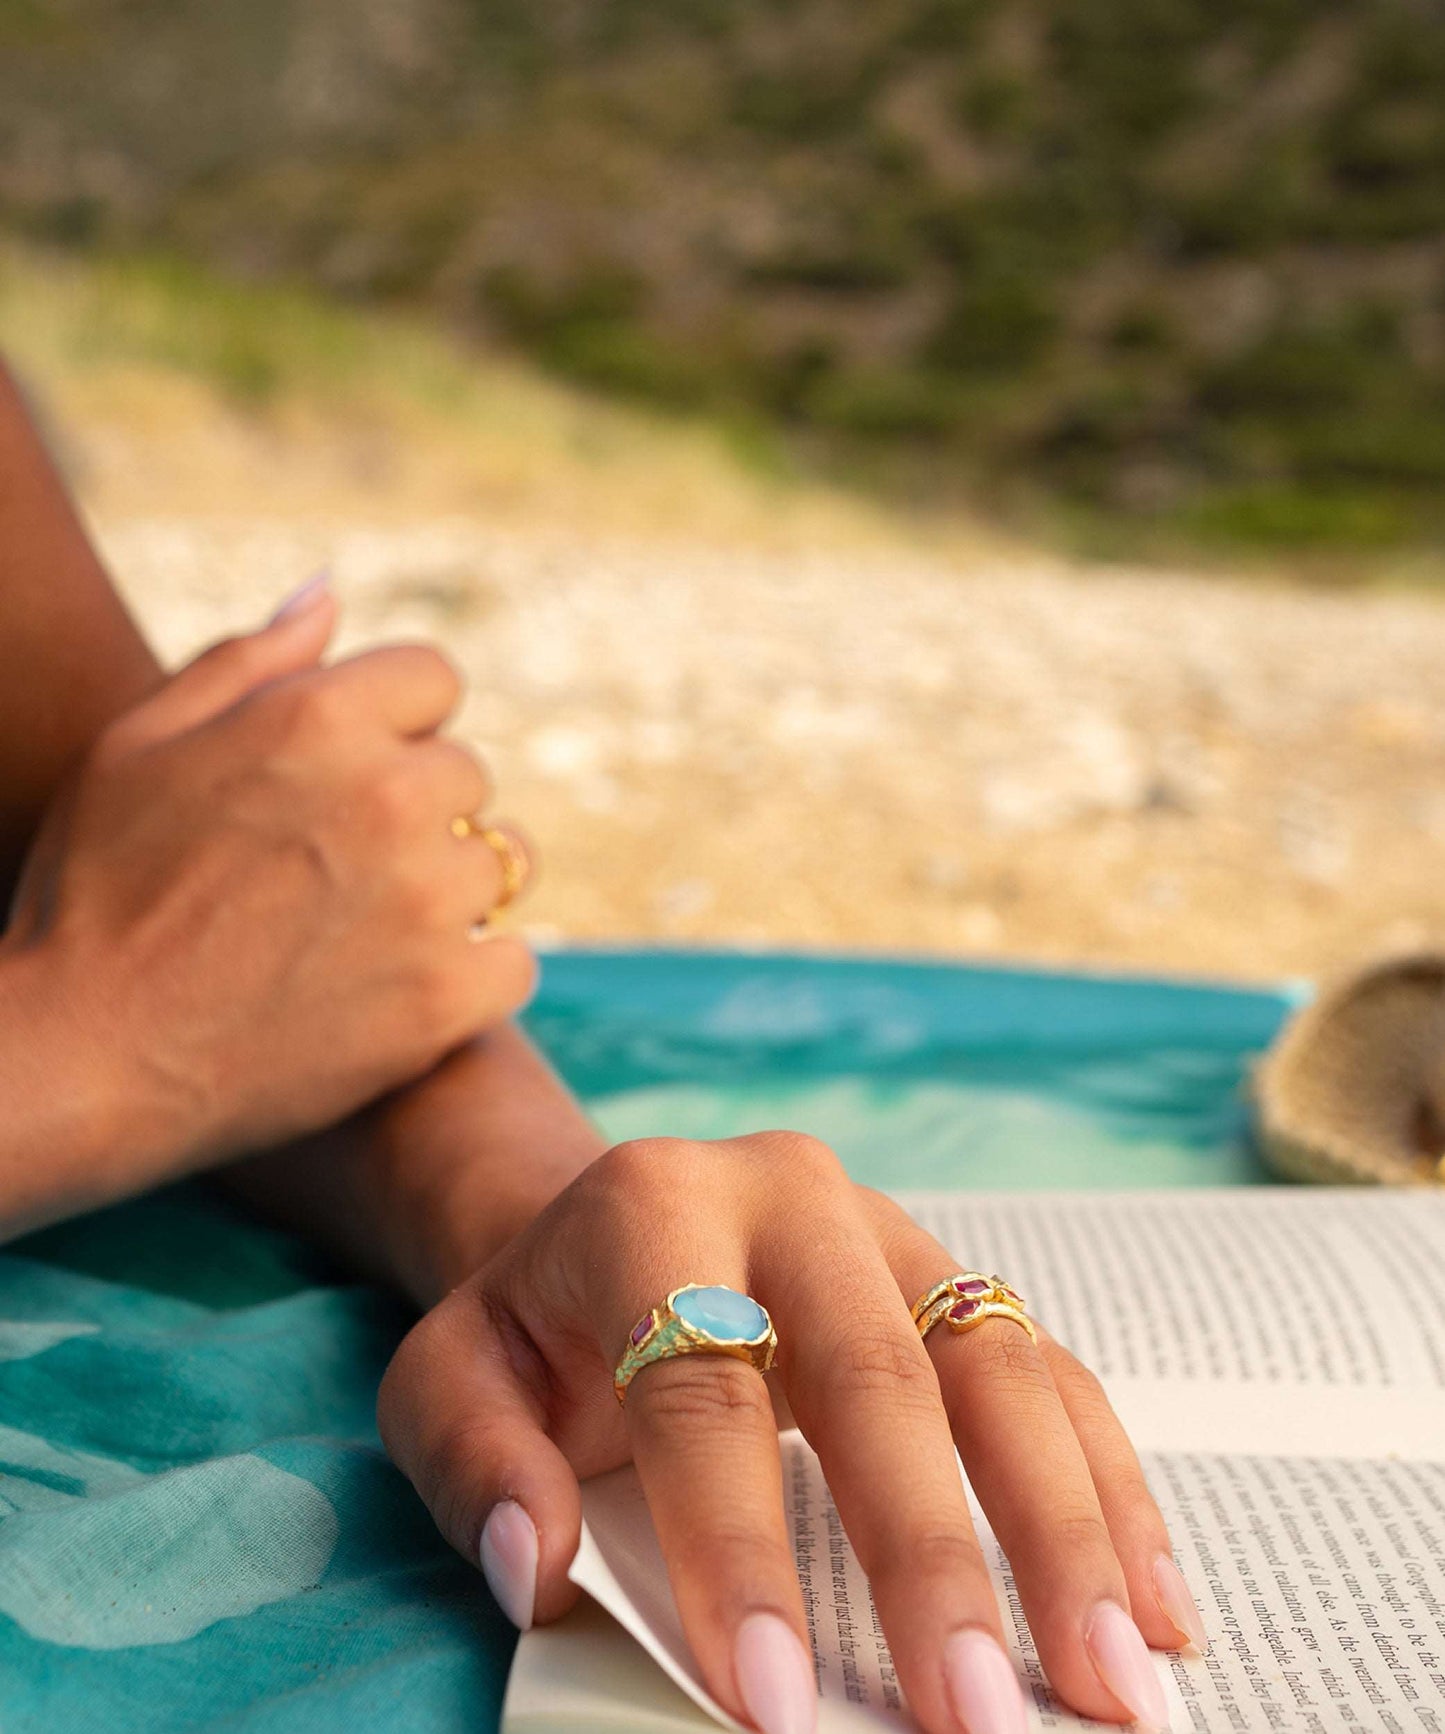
[198,1528]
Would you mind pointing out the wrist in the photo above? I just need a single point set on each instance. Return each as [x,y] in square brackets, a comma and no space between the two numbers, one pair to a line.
[70,1141]
[460,1217]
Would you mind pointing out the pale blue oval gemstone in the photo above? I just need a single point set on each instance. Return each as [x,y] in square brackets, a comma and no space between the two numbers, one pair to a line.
[723,1313]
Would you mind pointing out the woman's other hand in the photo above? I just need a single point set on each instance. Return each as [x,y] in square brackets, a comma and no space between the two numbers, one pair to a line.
[250,912]
[502,1398]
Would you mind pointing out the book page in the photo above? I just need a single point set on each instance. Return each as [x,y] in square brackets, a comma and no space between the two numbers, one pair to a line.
[621,1565]
[1322,1584]
[1232,1320]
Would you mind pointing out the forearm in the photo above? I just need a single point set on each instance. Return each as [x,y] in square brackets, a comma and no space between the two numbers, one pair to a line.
[417,1189]
[71,659]
[427,1185]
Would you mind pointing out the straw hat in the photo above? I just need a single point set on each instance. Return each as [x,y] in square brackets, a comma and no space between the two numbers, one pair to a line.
[1354,1088]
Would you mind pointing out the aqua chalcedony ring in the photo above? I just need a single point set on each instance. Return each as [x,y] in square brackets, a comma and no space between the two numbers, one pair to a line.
[968,1299]
[698,1319]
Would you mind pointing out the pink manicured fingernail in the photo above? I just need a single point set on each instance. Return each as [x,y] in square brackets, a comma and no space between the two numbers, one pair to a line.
[775,1676]
[982,1685]
[509,1561]
[300,601]
[1177,1604]
[1122,1661]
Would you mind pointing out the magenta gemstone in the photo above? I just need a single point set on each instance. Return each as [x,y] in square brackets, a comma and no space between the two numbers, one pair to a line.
[640,1330]
[963,1310]
[975,1285]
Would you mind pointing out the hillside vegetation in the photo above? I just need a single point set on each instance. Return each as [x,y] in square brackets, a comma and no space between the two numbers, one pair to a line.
[1170,264]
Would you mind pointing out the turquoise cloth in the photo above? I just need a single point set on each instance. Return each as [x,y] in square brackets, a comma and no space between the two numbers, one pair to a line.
[198,1529]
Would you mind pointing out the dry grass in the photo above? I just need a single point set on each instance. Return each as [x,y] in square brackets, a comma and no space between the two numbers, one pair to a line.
[735,706]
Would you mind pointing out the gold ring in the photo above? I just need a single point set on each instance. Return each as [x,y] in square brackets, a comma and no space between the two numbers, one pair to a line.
[968,1299]
[698,1319]
[511,856]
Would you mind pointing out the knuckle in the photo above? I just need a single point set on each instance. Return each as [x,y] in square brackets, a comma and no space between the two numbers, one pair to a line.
[683,1399]
[1008,1356]
[1086,1391]
[312,712]
[393,801]
[328,703]
[624,1184]
[396,1395]
[452,1469]
[1079,1532]
[424,662]
[884,1363]
[419,904]
[730,1551]
[391,1395]
[806,1159]
[637,1164]
[468,768]
[930,1555]
[513,974]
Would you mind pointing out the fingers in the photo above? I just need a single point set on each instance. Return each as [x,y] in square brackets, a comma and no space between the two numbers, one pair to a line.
[706,1448]
[410,688]
[501,856]
[865,1395]
[449,779]
[502,981]
[292,641]
[1034,1479]
[1162,1604]
[461,1416]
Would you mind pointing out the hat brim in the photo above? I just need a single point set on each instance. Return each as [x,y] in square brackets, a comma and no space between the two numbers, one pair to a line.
[1351,1091]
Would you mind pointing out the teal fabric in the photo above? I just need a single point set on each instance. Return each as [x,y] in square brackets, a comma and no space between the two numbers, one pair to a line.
[198,1530]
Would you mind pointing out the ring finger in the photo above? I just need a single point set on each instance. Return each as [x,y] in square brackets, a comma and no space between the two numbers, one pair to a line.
[1032,1476]
[864,1394]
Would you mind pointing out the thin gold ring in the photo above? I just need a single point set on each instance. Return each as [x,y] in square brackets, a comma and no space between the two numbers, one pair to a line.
[511,856]
[968,1299]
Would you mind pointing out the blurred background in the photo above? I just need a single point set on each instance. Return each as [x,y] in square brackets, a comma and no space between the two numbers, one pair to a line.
[948,475]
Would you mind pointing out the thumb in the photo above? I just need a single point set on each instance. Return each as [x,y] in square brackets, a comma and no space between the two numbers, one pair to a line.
[460,1422]
[292,640]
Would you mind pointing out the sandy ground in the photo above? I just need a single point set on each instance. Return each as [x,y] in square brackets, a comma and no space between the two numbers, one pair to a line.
[797,723]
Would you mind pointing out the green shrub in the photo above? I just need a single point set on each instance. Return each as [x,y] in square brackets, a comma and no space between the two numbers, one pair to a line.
[885,403]
[997,323]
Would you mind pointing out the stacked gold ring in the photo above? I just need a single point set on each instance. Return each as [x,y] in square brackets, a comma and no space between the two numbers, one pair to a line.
[968,1299]
[511,856]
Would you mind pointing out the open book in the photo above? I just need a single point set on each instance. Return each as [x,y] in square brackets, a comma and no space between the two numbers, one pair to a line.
[1279,1359]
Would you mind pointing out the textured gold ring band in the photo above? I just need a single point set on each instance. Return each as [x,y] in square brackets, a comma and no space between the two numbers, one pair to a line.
[968,1299]
[698,1319]
[511,856]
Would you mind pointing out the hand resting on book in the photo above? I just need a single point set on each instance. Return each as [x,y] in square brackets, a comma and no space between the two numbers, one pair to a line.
[502,1398]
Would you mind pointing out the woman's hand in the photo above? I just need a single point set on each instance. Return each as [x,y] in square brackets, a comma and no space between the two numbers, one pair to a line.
[250,913]
[502,1397]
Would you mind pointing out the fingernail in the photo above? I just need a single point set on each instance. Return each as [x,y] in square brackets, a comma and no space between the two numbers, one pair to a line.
[982,1685]
[509,1561]
[1176,1603]
[1122,1661]
[775,1676]
[299,601]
